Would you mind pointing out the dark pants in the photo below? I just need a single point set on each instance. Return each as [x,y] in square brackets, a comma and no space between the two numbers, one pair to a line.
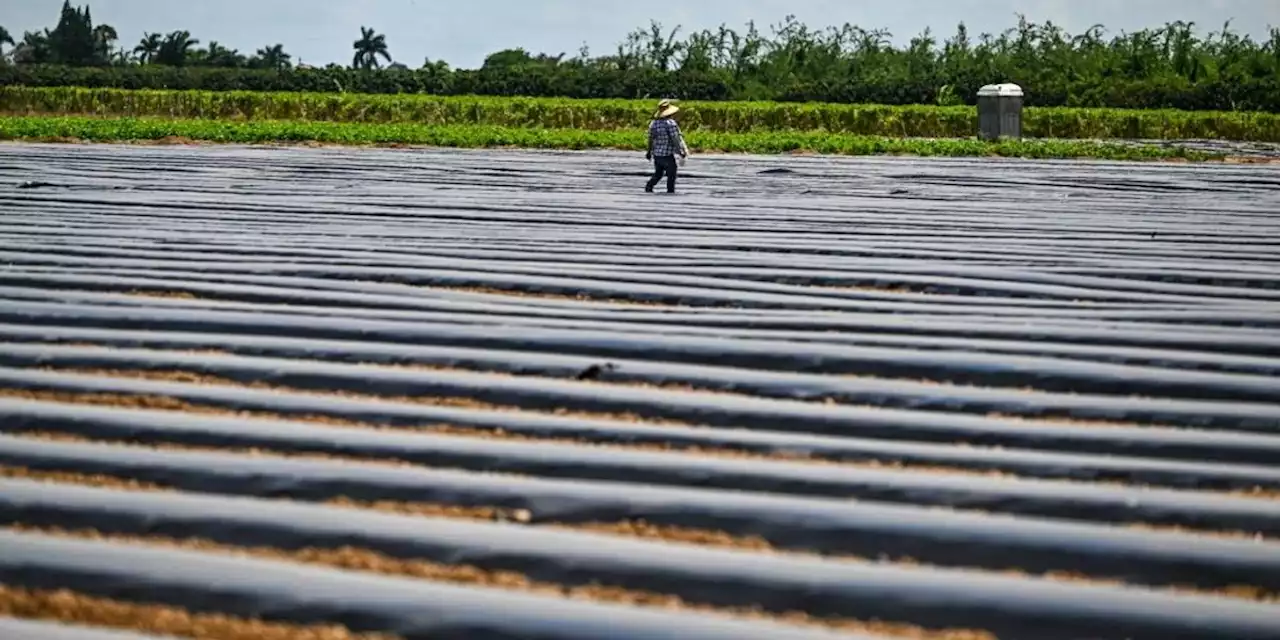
[663,165]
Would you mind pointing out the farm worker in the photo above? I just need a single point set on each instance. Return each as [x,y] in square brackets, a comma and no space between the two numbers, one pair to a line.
[665,141]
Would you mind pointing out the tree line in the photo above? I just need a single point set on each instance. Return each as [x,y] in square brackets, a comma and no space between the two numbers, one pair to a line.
[1166,67]
[76,42]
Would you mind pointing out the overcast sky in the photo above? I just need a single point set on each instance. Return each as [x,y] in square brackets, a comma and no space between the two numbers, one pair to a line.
[463,32]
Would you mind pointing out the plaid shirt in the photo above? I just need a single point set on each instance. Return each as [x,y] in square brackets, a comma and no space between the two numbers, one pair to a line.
[665,138]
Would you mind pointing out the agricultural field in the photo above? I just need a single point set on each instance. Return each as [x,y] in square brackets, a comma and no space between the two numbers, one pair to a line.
[115,115]
[273,132]
[911,121]
[391,394]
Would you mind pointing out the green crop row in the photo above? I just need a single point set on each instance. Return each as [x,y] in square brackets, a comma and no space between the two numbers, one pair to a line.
[611,114]
[478,136]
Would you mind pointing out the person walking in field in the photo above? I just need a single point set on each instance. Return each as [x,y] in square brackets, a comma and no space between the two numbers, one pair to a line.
[665,142]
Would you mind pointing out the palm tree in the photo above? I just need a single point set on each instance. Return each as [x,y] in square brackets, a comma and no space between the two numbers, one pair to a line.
[274,57]
[216,55]
[149,48]
[104,36]
[5,38]
[176,49]
[370,45]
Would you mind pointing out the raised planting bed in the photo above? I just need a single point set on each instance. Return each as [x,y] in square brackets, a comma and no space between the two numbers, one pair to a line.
[263,393]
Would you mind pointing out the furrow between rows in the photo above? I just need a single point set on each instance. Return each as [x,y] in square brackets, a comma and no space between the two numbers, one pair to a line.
[172,575]
[308,390]
[857,390]
[551,552]
[53,606]
[423,292]
[785,350]
[1092,503]
[56,410]
[383,482]
[557,364]
[711,281]
[641,342]
[249,587]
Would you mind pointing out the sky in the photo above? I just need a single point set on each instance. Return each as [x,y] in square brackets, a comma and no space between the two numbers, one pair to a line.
[462,33]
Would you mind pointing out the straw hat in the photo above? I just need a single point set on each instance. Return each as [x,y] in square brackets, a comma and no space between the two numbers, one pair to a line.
[666,109]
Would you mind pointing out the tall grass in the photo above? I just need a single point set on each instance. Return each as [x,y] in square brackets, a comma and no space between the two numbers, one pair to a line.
[475,136]
[605,115]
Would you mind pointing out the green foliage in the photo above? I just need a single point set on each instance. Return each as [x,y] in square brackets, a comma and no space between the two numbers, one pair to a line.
[176,49]
[613,114]
[273,131]
[368,48]
[33,49]
[149,48]
[179,49]
[273,57]
[6,38]
[216,55]
[947,97]
[74,41]
[1171,67]
[77,43]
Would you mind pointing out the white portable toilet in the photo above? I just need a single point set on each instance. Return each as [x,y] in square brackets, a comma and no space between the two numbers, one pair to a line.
[1000,111]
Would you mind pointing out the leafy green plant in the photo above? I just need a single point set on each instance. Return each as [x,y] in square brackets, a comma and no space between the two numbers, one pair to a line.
[947,97]
[471,135]
[1170,67]
[613,114]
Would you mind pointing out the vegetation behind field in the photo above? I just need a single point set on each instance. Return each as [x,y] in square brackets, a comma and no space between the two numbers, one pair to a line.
[1171,67]
[559,113]
[80,128]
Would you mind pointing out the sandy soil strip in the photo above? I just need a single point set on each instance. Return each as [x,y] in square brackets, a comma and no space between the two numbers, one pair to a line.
[358,559]
[421,509]
[251,452]
[1249,536]
[191,377]
[107,347]
[588,298]
[154,293]
[76,608]
[901,289]
[580,297]
[641,529]
[87,479]
[914,288]
[1080,422]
